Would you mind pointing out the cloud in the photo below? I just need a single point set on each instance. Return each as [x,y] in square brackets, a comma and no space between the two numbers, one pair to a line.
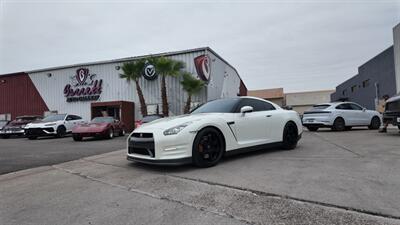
[305,45]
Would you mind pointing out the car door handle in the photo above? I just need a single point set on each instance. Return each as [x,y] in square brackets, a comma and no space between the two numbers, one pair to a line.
[268,115]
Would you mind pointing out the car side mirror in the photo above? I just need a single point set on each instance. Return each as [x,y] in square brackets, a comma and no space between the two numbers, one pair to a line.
[246,109]
[364,109]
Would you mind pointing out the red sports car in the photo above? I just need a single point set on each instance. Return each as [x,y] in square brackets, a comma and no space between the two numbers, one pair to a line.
[106,127]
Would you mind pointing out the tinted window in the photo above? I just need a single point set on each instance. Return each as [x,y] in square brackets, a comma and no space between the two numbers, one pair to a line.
[218,106]
[322,106]
[344,107]
[257,105]
[55,117]
[393,106]
[355,107]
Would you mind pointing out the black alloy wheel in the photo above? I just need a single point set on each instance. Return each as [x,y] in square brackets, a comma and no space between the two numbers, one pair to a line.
[208,147]
[339,124]
[61,131]
[110,134]
[290,136]
[375,123]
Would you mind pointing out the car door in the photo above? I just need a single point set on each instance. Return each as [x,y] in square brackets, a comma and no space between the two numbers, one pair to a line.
[251,127]
[361,116]
[345,111]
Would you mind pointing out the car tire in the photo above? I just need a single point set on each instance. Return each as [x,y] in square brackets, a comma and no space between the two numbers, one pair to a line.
[110,134]
[375,123]
[290,136]
[77,137]
[61,131]
[339,124]
[311,128]
[32,137]
[122,132]
[348,128]
[208,147]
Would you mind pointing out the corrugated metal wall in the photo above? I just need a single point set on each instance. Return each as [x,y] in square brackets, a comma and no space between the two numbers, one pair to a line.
[18,96]
[224,82]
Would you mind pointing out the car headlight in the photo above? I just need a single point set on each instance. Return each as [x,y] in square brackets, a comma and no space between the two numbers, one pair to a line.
[176,129]
[50,124]
[23,126]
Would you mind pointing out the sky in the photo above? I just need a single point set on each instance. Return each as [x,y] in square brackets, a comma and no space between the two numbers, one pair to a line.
[298,45]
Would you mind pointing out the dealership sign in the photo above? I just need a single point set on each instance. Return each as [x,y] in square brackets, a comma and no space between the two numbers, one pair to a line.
[203,67]
[83,87]
[149,72]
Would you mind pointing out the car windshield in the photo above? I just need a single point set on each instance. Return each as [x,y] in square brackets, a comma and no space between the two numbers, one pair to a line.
[54,117]
[3,123]
[102,120]
[393,106]
[323,106]
[218,106]
[25,118]
[150,118]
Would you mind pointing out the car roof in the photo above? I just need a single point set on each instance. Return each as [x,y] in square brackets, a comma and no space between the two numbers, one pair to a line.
[394,98]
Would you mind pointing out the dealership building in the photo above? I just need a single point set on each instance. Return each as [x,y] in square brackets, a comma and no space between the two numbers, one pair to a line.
[377,77]
[95,89]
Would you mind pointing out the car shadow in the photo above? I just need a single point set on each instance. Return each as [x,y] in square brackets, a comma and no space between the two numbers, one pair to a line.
[187,167]
[89,139]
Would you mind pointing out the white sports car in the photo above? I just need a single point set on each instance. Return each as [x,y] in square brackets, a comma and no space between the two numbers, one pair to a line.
[214,129]
[340,116]
[53,125]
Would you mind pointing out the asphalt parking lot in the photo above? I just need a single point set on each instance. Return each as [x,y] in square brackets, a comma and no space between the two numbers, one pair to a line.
[348,177]
[21,153]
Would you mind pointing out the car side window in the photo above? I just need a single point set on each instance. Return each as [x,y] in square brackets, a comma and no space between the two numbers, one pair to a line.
[344,106]
[355,107]
[256,104]
[69,117]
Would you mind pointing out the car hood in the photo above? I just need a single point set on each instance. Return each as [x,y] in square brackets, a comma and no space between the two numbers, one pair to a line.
[169,122]
[41,124]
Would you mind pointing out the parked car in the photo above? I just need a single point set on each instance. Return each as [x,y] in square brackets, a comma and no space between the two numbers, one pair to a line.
[340,116]
[17,126]
[57,125]
[106,127]
[215,129]
[3,123]
[147,119]
[392,111]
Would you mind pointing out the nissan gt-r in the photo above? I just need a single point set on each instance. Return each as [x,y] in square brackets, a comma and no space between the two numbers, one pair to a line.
[215,129]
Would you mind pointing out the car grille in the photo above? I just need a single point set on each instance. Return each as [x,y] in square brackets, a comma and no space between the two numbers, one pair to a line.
[38,131]
[13,129]
[142,144]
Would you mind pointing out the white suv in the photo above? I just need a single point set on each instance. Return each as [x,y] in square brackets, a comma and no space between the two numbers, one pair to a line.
[340,116]
[56,125]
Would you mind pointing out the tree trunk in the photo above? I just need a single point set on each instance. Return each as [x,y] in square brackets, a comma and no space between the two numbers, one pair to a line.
[143,107]
[186,110]
[165,108]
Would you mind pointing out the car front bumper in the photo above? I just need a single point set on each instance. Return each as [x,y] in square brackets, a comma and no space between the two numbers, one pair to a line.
[12,132]
[45,131]
[153,147]
[392,118]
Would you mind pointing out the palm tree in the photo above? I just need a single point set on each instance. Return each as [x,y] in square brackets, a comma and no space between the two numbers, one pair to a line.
[192,86]
[167,67]
[133,71]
